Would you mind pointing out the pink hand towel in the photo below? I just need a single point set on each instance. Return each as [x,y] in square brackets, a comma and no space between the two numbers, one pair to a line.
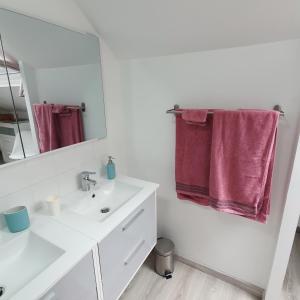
[242,157]
[194,115]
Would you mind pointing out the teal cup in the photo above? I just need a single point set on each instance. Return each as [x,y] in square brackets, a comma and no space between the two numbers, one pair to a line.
[17,218]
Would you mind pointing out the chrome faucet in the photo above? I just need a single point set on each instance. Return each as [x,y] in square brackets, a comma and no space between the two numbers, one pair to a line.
[86,181]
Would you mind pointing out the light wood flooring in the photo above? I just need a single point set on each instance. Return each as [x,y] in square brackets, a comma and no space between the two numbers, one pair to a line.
[187,284]
[191,284]
[291,286]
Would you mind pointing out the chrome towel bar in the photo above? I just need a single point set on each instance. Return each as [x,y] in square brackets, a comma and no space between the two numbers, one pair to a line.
[177,107]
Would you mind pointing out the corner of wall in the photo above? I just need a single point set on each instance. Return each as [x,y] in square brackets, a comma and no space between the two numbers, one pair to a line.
[114,106]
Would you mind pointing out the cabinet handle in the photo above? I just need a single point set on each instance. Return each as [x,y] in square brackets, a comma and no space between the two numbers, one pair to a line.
[50,296]
[134,252]
[127,225]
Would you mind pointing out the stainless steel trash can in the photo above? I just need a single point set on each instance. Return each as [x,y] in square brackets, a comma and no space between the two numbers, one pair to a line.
[164,257]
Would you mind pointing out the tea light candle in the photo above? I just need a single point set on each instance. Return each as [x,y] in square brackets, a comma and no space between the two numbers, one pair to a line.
[53,203]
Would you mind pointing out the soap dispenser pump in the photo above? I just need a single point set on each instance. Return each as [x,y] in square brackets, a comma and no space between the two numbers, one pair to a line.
[110,168]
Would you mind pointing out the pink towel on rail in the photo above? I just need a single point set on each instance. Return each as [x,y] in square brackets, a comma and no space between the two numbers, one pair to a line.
[193,147]
[70,125]
[46,130]
[57,126]
[228,163]
[194,115]
[242,157]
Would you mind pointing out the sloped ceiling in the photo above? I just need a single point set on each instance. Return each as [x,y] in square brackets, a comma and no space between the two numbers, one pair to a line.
[142,28]
[32,41]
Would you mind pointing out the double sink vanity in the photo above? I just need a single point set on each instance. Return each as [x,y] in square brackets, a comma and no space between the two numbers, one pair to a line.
[90,251]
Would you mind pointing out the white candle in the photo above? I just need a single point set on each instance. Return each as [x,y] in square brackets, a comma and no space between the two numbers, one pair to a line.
[53,203]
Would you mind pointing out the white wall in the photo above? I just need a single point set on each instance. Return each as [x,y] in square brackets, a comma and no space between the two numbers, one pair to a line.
[247,77]
[287,233]
[114,108]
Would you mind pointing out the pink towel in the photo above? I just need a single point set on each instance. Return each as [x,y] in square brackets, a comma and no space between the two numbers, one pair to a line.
[69,122]
[193,148]
[46,130]
[58,126]
[242,157]
[194,115]
[234,171]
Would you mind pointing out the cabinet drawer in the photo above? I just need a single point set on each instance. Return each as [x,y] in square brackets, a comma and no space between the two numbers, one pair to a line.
[126,247]
[78,284]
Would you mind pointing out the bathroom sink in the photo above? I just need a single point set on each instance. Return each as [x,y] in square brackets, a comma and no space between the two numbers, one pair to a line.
[104,201]
[22,258]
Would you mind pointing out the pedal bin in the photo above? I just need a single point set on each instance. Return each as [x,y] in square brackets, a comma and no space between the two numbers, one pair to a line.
[164,257]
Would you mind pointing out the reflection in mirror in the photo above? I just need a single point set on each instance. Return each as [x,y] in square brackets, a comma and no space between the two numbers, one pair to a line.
[10,110]
[58,87]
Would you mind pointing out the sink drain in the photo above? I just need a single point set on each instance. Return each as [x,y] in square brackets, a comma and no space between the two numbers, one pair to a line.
[2,291]
[105,210]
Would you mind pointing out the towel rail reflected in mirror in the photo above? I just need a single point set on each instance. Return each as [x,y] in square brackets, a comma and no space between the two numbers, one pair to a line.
[176,107]
[82,106]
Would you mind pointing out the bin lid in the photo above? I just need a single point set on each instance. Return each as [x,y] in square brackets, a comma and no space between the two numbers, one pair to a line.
[164,247]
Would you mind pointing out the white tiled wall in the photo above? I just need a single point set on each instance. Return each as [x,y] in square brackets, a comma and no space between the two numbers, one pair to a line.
[31,181]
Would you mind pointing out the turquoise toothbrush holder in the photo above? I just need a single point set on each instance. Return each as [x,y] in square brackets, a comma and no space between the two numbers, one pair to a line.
[17,218]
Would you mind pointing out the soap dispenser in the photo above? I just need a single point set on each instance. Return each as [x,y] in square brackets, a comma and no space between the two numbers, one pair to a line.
[110,168]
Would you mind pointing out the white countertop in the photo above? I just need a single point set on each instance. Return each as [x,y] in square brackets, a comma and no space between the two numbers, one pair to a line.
[76,235]
[75,247]
[98,230]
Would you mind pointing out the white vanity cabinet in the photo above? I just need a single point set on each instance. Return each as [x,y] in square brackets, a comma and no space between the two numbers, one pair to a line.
[78,284]
[125,249]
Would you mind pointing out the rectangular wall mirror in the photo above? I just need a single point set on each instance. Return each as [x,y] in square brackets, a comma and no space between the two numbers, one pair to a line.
[51,93]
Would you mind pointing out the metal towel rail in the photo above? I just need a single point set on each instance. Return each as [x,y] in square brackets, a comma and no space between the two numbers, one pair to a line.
[176,111]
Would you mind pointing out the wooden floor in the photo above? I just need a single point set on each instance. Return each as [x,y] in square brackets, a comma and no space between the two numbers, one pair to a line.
[291,287]
[187,284]
[191,284]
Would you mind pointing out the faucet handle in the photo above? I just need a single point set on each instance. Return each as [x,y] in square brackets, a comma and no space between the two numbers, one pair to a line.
[85,180]
[87,173]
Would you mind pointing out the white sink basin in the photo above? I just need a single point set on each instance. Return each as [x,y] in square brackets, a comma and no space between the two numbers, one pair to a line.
[104,201]
[22,258]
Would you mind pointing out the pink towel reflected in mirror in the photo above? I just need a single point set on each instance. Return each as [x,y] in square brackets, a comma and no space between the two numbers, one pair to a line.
[58,126]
